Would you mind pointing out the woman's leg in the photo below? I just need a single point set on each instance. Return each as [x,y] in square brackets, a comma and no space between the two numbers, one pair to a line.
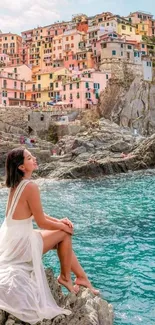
[81,277]
[63,240]
[50,239]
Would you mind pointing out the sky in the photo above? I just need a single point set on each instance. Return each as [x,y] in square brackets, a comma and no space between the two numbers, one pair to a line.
[19,15]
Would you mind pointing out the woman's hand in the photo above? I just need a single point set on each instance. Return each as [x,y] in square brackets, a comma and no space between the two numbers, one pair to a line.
[66,228]
[67,222]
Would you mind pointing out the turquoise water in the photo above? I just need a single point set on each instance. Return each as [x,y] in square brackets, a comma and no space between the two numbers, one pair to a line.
[114,238]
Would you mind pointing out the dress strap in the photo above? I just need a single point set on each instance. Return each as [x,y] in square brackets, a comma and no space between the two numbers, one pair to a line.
[16,197]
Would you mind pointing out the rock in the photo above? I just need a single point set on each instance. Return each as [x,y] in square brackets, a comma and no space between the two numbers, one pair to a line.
[132,106]
[121,146]
[86,308]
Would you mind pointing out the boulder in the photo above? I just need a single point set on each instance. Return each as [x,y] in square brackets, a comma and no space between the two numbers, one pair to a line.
[86,308]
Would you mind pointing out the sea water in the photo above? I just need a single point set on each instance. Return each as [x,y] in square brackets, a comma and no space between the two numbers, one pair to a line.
[114,220]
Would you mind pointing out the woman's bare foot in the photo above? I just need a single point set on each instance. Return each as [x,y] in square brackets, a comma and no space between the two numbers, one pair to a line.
[68,284]
[86,283]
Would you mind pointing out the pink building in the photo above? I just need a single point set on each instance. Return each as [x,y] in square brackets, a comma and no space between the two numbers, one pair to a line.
[83,89]
[12,89]
[4,60]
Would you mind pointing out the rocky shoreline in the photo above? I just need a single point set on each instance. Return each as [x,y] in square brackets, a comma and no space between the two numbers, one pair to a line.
[86,308]
[103,148]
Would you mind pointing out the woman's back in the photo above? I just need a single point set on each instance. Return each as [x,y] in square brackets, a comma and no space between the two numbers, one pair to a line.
[22,209]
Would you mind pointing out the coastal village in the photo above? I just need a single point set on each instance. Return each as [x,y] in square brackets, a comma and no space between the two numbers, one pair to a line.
[68,64]
[80,96]
[66,88]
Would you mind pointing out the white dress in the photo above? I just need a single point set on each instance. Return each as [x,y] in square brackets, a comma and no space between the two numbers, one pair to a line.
[24,291]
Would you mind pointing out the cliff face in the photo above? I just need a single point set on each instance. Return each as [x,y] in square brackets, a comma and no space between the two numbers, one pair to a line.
[130,106]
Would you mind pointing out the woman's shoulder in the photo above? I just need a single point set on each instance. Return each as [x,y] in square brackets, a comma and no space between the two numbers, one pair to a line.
[31,186]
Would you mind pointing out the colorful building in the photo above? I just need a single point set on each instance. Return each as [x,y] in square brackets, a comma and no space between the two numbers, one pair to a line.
[12,89]
[46,85]
[144,22]
[115,46]
[10,44]
[82,89]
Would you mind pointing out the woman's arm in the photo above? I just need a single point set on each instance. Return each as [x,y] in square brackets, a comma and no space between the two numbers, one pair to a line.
[34,202]
[66,221]
[51,218]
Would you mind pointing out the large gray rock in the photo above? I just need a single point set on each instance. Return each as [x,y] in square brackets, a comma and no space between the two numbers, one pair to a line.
[132,107]
[86,308]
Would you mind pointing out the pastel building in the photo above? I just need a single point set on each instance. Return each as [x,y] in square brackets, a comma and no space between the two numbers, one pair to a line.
[12,89]
[4,60]
[119,25]
[82,90]
[22,71]
[10,45]
[57,51]
[145,25]
[114,46]
[47,85]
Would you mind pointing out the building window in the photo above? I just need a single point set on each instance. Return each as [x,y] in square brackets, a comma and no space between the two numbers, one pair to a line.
[64,97]
[70,87]
[130,29]
[143,46]
[4,84]
[89,75]
[64,88]
[71,96]
[77,85]
[4,94]
[129,47]
[104,46]
[39,86]
[113,52]
[51,75]
[96,86]
[122,45]
[56,85]
[107,76]
[41,117]
[123,27]
[72,37]
[87,84]
[15,95]
[78,95]
[39,77]
[88,95]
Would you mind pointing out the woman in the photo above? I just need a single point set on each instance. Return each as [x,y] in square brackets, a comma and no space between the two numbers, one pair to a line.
[24,290]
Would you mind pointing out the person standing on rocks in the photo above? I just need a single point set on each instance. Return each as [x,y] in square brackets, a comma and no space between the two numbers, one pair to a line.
[24,291]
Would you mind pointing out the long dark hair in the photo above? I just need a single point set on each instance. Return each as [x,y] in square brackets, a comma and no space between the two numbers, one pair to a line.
[14,159]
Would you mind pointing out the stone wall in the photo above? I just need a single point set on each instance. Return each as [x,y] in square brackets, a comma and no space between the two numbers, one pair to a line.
[120,69]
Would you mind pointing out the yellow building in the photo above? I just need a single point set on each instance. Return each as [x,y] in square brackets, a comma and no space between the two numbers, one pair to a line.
[47,85]
[119,25]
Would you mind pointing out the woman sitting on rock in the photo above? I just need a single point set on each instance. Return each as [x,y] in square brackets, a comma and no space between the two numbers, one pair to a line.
[24,291]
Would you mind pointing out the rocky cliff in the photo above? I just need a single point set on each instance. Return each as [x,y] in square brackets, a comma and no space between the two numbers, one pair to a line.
[86,308]
[130,104]
[103,149]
